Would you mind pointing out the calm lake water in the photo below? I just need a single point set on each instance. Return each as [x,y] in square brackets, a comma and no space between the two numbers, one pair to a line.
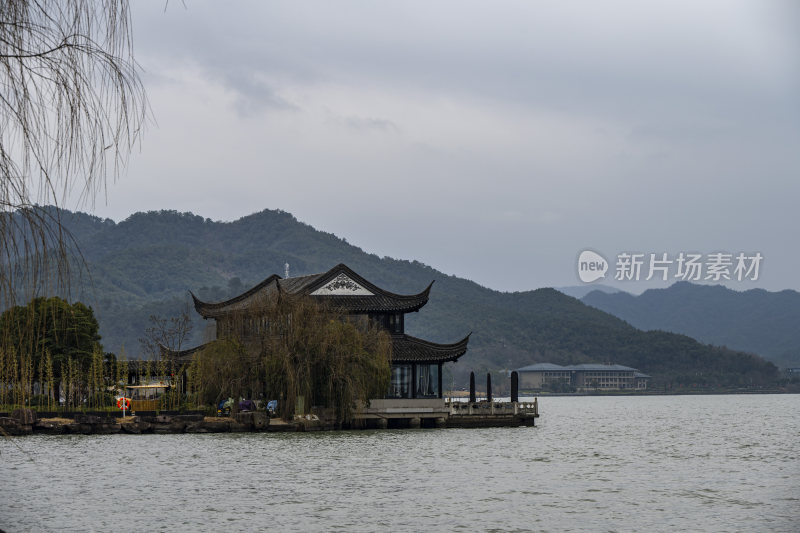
[692,463]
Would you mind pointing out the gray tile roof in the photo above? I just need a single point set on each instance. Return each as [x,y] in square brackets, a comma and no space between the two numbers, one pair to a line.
[405,348]
[408,349]
[379,300]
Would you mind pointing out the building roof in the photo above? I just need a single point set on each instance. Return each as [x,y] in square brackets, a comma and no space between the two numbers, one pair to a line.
[181,356]
[340,287]
[405,349]
[408,349]
[594,367]
[542,367]
[585,367]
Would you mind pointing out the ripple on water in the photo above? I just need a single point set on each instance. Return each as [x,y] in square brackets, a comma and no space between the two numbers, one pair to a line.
[593,464]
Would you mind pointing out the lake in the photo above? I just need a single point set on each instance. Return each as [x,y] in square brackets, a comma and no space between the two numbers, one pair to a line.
[655,463]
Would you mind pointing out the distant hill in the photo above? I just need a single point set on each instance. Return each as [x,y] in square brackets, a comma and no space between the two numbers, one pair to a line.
[767,323]
[579,291]
[147,263]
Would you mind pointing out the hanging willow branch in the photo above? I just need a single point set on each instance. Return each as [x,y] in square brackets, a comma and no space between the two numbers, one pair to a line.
[288,347]
[71,108]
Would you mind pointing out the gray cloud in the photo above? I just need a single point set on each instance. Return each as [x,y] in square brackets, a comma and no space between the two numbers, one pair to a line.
[507,137]
[370,124]
[253,94]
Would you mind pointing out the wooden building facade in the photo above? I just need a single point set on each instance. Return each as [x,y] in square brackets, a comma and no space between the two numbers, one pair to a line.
[416,366]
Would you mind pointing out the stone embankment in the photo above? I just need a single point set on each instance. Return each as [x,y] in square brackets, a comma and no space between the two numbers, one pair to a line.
[26,422]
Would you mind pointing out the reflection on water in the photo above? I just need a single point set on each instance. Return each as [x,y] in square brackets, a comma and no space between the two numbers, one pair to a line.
[697,463]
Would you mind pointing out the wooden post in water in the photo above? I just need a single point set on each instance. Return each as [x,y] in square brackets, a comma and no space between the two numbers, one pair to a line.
[514,387]
[472,387]
[489,387]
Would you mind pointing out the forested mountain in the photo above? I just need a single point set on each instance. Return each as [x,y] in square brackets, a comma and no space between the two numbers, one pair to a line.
[767,323]
[147,263]
[579,291]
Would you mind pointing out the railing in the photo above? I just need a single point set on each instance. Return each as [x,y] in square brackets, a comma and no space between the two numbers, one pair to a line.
[145,405]
[494,408]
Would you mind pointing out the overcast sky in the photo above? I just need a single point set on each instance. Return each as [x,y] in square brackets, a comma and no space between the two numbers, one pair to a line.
[491,140]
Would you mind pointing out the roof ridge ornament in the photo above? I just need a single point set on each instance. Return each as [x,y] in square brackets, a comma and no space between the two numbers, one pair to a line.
[342,284]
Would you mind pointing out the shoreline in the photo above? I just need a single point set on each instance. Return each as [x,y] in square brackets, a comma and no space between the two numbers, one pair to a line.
[539,394]
[24,422]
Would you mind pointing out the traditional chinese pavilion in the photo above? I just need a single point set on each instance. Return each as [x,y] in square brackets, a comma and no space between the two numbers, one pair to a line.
[416,363]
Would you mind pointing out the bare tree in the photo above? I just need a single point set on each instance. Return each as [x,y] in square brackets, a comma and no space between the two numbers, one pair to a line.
[166,336]
[71,108]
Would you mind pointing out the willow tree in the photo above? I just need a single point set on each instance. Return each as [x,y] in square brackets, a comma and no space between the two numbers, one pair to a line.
[327,358]
[225,368]
[71,108]
[291,347]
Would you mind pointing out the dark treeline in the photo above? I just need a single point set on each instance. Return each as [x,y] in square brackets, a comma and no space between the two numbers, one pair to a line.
[50,349]
[290,349]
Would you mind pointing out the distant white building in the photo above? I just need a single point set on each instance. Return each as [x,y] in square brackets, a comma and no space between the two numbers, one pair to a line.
[581,377]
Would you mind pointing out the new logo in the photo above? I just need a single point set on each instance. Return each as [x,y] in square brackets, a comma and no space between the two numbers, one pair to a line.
[591,266]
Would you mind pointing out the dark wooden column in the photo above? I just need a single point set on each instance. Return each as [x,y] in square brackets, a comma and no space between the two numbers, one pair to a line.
[440,379]
[514,386]
[414,380]
[472,387]
[488,386]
